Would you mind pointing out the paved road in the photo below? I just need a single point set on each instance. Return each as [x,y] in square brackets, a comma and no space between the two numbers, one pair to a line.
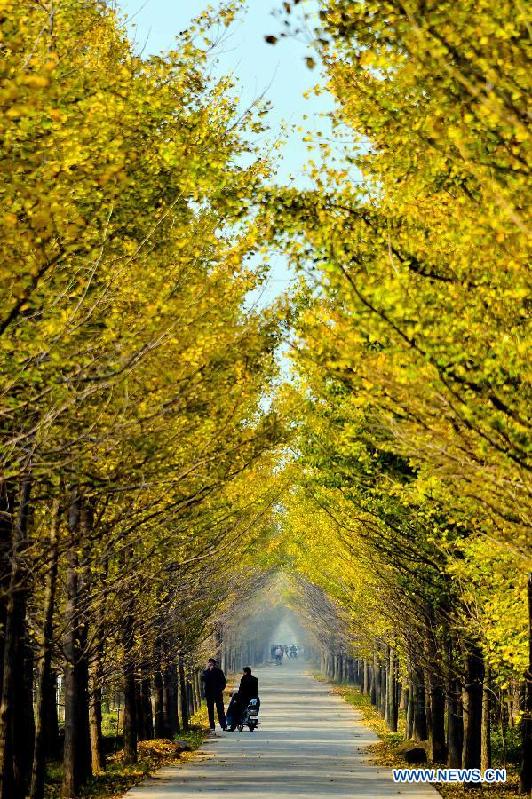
[310,744]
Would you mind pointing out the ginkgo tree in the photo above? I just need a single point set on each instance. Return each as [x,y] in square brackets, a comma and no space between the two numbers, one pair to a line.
[131,401]
[415,245]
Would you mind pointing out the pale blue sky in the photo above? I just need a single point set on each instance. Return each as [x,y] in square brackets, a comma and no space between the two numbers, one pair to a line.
[279,71]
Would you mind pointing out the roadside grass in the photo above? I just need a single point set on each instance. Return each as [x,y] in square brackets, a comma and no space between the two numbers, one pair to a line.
[385,752]
[119,778]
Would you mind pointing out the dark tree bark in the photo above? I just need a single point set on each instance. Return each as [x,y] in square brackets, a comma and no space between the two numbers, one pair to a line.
[95,707]
[52,742]
[473,712]
[183,703]
[14,772]
[418,698]
[376,682]
[455,724]
[409,730]
[391,691]
[77,751]
[161,730]
[437,742]
[144,708]
[171,700]
[485,736]
[45,684]
[198,688]
[130,705]
[382,683]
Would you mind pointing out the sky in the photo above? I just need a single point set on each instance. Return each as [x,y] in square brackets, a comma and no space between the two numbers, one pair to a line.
[279,71]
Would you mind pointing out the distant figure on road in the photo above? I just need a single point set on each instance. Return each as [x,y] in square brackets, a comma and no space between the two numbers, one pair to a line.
[279,655]
[293,651]
[214,684]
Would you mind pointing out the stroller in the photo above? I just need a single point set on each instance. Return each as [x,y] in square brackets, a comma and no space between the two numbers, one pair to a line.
[240,715]
[250,717]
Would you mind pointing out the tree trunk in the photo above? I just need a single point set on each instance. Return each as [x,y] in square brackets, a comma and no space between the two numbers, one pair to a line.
[437,743]
[382,682]
[171,700]
[95,707]
[146,726]
[525,776]
[409,731]
[391,692]
[375,696]
[473,718]
[160,729]
[45,682]
[365,678]
[95,723]
[77,750]
[485,737]
[183,694]
[52,742]
[130,706]
[455,725]
[420,718]
[13,752]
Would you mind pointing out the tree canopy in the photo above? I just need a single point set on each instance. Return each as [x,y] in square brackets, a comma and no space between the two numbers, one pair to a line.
[163,460]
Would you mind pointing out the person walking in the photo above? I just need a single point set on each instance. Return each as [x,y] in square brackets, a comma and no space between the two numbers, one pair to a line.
[214,684]
[247,690]
[249,686]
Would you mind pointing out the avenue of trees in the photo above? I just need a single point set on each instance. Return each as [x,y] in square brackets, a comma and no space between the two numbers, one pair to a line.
[411,338]
[156,471]
[135,453]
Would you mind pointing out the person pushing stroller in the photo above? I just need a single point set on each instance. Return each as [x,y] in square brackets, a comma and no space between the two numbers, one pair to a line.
[248,690]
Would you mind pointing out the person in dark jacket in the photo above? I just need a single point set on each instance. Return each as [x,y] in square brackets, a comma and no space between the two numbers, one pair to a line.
[214,684]
[249,686]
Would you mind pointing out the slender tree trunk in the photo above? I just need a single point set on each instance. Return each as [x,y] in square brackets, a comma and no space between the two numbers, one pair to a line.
[183,694]
[382,682]
[372,683]
[420,718]
[77,750]
[130,706]
[437,743]
[485,735]
[473,719]
[365,678]
[145,708]
[525,777]
[455,725]
[44,685]
[95,707]
[391,697]
[198,688]
[13,758]
[171,699]
[52,743]
[377,687]
[160,725]
[409,730]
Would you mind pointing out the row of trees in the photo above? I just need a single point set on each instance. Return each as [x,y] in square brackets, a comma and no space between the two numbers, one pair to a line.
[142,464]
[135,450]
[412,511]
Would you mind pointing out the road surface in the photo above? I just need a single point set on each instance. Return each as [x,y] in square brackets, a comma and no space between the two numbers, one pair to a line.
[310,744]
